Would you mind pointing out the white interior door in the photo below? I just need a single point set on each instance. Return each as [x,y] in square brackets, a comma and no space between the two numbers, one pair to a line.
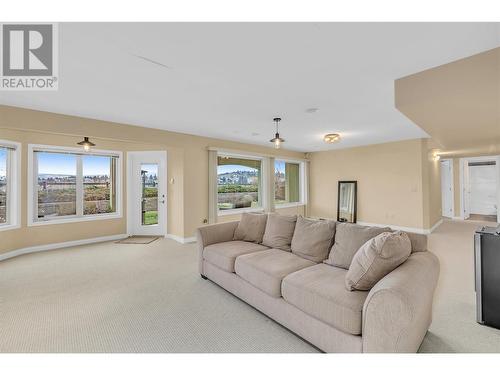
[483,189]
[466,189]
[146,193]
[447,188]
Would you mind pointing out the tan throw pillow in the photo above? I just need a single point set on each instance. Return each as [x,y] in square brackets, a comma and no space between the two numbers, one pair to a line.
[279,231]
[251,227]
[312,238]
[348,239]
[376,258]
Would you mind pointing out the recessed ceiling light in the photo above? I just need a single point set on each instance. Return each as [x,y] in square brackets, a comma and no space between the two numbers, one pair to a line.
[331,138]
[255,134]
[312,110]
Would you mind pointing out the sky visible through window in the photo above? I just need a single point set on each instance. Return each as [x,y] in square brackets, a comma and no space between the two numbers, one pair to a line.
[64,164]
[3,162]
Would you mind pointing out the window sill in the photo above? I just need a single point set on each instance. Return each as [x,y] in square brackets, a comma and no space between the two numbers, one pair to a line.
[287,205]
[74,219]
[238,211]
[5,227]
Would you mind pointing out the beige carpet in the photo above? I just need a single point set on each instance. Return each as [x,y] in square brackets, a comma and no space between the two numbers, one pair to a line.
[114,298]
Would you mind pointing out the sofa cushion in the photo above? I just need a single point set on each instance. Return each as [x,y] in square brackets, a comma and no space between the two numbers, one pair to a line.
[224,254]
[279,231]
[418,241]
[348,239]
[266,269]
[312,238]
[376,258]
[320,292]
[251,227]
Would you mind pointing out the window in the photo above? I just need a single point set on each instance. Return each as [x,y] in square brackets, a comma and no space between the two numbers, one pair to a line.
[4,181]
[287,182]
[99,185]
[239,183]
[71,185]
[9,185]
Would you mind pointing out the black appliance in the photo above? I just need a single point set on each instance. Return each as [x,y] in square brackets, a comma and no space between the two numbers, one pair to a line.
[487,275]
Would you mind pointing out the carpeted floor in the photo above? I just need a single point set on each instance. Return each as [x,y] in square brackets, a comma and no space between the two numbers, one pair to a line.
[149,298]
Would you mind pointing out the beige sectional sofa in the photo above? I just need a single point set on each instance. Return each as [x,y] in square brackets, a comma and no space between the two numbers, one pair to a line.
[310,297]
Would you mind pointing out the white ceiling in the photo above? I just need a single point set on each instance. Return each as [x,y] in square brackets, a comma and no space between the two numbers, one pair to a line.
[229,80]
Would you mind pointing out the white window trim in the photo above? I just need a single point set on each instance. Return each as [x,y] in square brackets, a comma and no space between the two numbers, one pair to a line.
[262,189]
[33,184]
[302,183]
[13,186]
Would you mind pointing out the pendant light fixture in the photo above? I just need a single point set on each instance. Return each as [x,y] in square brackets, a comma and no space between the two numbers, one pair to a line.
[86,144]
[277,140]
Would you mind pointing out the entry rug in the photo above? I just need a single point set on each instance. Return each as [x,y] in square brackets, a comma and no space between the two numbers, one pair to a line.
[140,240]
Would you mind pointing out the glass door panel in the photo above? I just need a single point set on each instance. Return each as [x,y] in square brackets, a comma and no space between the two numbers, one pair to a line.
[149,198]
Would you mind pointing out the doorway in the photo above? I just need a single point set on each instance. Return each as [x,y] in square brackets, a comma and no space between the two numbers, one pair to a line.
[481,188]
[146,193]
[447,199]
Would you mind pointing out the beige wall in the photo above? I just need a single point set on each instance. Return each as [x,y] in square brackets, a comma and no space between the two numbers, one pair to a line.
[187,165]
[398,183]
[457,104]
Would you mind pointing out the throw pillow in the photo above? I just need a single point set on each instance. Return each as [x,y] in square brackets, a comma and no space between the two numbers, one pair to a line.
[376,258]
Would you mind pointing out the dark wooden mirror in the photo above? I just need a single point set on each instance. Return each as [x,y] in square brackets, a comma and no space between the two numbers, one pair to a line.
[347,201]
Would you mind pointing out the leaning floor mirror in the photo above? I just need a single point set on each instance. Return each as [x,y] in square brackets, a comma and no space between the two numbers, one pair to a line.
[347,201]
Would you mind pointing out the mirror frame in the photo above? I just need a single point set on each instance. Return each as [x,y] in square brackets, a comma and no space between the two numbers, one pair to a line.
[354,216]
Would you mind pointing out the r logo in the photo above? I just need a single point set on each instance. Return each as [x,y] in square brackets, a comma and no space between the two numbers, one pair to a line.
[27,50]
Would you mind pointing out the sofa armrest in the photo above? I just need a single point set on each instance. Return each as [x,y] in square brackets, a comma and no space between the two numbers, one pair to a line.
[211,234]
[398,309]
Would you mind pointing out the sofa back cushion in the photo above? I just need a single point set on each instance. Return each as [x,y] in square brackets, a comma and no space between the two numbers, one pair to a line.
[376,258]
[348,239]
[312,238]
[251,227]
[418,241]
[279,231]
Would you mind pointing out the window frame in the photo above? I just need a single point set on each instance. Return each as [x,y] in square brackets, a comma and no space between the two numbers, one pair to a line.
[261,191]
[13,173]
[302,183]
[79,153]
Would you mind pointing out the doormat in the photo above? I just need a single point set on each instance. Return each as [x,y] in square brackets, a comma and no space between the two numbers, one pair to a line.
[140,240]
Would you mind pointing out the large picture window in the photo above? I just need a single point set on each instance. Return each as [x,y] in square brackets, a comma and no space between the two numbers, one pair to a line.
[287,182]
[239,183]
[9,185]
[73,185]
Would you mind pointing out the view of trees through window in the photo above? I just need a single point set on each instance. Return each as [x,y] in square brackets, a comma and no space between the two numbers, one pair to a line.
[57,184]
[3,185]
[149,180]
[99,192]
[286,182]
[238,183]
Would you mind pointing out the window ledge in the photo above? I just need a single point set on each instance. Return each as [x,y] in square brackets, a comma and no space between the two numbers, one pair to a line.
[75,219]
[287,205]
[5,227]
[238,211]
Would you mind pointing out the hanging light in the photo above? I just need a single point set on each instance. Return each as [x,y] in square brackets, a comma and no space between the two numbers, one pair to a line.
[277,140]
[86,144]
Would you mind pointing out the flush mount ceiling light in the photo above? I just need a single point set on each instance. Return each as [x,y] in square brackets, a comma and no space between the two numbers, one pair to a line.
[331,138]
[86,144]
[277,140]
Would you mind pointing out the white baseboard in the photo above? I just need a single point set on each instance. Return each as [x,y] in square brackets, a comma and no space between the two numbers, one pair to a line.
[181,239]
[59,245]
[436,225]
[406,229]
